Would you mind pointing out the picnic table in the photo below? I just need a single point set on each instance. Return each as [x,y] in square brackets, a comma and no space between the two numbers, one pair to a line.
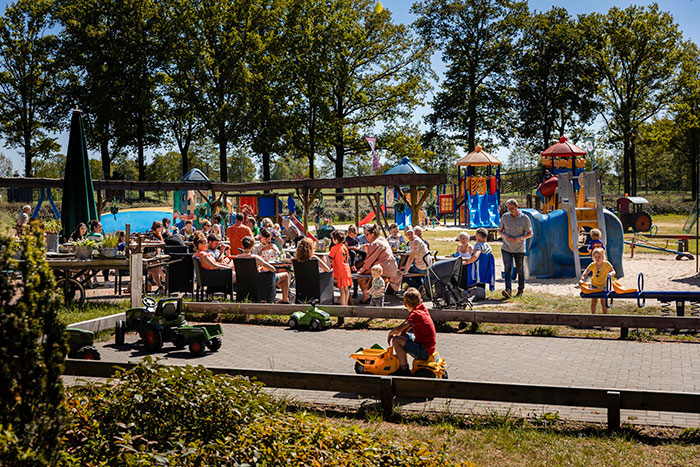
[73,274]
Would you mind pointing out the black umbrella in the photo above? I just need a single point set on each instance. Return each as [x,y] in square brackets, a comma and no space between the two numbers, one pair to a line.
[78,196]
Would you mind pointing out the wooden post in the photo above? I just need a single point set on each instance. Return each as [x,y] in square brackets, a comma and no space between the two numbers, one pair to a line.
[127,250]
[613,410]
[277,209]
[99,205]
[136,278]
[357,210]
[386,397]
[624,332]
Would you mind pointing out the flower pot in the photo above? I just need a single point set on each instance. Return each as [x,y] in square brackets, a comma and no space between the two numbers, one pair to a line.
[83,252]
[108,252]
[52,242]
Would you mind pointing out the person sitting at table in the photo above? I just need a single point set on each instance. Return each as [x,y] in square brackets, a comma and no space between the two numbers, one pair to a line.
[253,226]
[206,260]
[166,226]
[415,262]
[265,248]
[305,251]
[121,242]
[395,238]
[215,229]
[236,232]
[217,220]
[362,239]
[96,231]
[274,232]
[418,230]
[351,237]
[464,249]
[378,252]
[281,278]
[187,231]
[290,232]
[155,274]
[206,227]
[215,248]
[79,233]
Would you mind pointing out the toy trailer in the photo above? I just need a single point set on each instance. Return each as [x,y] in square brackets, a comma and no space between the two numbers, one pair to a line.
[629,210]
[80,344]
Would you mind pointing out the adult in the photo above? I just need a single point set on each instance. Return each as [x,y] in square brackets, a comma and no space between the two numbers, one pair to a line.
[266,249]
[305,251]
[206,227]
[156,274]
[207,261]
[378,252]
[79,233]
[417,262]
[187,231]
[290,232]
[274,233]
[515,228]
[281,278]
[236,232]
[96,231]
[362,239]
[252,224]
[23,218]
[215,248]
[418,230]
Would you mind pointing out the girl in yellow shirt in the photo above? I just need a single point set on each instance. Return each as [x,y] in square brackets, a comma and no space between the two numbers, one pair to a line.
[600,270]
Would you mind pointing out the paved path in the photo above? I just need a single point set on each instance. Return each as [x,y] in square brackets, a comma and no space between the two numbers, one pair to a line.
[517,359]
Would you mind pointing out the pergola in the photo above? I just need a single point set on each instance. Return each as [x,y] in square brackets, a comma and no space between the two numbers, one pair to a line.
[307,189]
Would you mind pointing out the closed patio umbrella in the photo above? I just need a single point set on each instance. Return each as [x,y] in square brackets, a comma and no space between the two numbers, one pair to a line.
[78,203]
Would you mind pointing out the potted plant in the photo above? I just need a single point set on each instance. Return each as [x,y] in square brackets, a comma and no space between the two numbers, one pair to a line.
[84,248]
[53,228]
[399,206]
[109,245]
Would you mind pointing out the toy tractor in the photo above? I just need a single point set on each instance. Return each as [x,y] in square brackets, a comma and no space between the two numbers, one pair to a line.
[80,344]
[380,361]
[165,322]
[629,210]
[314,318]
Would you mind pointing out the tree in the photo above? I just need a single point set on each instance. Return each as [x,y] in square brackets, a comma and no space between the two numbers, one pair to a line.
[6,168]
[636,52]
[555,83]
[31,355]
[28,77]
[241,167]
[376,72]
[476,38]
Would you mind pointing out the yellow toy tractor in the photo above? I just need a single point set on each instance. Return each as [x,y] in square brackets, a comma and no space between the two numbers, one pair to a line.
[380,361]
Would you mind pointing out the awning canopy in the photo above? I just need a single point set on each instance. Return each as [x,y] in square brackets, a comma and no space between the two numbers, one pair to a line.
[478,157]
[405,167]
[563,148]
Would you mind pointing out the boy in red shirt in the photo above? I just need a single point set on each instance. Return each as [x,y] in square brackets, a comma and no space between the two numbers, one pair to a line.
[420,343]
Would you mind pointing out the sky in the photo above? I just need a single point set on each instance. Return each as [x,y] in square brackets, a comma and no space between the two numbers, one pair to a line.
[685,12]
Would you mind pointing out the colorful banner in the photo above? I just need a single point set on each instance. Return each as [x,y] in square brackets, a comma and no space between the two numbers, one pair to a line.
[375,159]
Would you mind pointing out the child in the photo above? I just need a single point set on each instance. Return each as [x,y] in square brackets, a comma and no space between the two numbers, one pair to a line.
[420,343]
[464,249]
[121,246]
[595,241]
[376,291]
[339,254]
[600,269]
[350,240]
[480,246]
[395,238]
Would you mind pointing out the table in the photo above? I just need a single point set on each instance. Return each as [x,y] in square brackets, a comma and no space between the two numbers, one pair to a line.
[72,274]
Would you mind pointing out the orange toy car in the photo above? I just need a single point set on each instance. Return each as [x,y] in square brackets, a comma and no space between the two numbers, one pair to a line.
[380,361]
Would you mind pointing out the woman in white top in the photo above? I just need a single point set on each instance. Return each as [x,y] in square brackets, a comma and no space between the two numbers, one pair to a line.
[266,249]
[464,249]
[416,262]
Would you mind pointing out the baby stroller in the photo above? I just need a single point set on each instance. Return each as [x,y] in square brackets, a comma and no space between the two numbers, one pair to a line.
[442,285]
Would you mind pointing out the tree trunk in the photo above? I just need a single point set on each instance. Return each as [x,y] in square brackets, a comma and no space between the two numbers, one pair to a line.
[626,164]
[633,169]
[266,165]
[312,143]
[339,170]
[27,157]
[140,150]
[104,157]
[694,153]
[223,162]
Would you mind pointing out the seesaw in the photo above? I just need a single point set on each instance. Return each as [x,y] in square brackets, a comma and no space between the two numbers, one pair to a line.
[615,290]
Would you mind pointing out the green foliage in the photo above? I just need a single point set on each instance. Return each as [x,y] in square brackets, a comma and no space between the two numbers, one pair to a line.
[691,435]
[32,349]
[641,335]
[6,168]
[188,416]
[110,241]
[543,331]
[87,242]
[52,225]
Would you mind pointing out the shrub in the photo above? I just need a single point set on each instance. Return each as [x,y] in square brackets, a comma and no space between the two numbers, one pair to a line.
[32,350]
[542,331]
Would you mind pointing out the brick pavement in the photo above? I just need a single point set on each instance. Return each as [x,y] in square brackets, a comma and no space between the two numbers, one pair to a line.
[474,357]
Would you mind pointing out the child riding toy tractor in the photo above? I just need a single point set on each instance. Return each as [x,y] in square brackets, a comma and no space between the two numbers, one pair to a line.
[165,322]
[380,361]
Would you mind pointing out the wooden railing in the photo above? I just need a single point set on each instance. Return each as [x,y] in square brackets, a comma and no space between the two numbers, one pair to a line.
[386,388]
[624,322]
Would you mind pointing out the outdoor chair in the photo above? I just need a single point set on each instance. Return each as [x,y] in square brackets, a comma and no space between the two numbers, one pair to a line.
[252,285]
[312,285]
[357,259]
[180,276]
[170,249]
[215,280]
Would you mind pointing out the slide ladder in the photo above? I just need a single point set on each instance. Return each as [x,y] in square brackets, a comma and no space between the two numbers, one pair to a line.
[577,209]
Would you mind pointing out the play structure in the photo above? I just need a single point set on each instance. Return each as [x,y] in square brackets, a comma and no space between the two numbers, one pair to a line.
[571,208]
[632,215]
[399,198]
[478,195]
[643,241]
[615,290]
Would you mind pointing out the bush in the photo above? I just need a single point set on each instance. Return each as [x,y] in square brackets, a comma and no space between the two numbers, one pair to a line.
[542,331]
[187,416]
[32,350]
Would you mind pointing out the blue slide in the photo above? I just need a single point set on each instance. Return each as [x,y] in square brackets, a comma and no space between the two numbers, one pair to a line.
[474,217]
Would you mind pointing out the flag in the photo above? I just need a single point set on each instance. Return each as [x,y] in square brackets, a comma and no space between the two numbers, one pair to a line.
[372,141]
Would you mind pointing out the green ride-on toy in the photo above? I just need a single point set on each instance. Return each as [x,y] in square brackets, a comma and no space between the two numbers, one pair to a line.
[165,322]
[80,344]
[314,318]
[380,361]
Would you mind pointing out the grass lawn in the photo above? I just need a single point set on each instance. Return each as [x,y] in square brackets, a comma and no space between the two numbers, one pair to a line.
[74,314]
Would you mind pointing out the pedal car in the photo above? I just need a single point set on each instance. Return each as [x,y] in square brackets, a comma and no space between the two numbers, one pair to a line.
[380,361]
[165,322]
[313,317]
[80,344]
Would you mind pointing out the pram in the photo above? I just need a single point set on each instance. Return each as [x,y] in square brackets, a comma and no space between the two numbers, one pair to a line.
[442,285]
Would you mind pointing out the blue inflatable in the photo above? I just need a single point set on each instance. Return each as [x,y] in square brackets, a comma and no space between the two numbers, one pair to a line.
[549,253]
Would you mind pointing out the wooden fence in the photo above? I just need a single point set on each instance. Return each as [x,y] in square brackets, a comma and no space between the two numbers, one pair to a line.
[386,388]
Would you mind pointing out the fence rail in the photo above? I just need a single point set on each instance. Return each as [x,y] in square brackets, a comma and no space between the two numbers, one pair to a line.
[386,388]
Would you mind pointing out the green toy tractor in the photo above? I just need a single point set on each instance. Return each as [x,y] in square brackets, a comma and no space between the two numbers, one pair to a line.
[80,344]
[313,318]
[165,322]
